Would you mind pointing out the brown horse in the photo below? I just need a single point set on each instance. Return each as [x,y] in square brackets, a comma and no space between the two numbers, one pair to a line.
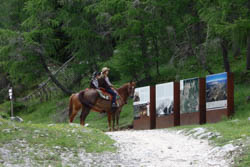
[90,100]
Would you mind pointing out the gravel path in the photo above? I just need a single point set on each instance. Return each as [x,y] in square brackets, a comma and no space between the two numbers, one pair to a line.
[165,148]
[147,148]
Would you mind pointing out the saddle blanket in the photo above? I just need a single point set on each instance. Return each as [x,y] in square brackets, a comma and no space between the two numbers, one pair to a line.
[105,95]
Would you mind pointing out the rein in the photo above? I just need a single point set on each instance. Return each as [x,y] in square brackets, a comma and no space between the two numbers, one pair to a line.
[119,90]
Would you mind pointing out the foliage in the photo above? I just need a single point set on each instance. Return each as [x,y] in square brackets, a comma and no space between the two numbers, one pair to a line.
[149,41]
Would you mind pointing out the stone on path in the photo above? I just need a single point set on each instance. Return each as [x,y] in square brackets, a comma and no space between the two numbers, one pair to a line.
[17,119]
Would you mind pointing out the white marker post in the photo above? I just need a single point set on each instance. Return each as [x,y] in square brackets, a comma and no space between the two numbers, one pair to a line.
[11,100]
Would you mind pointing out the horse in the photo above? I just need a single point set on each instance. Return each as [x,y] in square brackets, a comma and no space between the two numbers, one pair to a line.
[90,99]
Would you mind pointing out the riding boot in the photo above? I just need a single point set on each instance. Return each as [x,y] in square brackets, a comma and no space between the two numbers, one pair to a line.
[114,105]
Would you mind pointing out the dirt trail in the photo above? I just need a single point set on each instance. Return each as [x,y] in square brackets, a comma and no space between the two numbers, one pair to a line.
[168,149]
[146,148]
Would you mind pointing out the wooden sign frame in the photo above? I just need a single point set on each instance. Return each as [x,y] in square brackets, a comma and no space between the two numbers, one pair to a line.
[177,119]
[200,116]
[147,122]
[172,119]
[214,116]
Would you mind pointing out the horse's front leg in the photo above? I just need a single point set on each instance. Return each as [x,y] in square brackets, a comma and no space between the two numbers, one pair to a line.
[117,119]
[109,121]
[113,119]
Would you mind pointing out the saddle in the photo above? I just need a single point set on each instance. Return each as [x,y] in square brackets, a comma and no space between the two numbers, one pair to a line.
[105,95]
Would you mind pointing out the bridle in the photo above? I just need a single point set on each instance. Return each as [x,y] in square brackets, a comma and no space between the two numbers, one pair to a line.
[131,89]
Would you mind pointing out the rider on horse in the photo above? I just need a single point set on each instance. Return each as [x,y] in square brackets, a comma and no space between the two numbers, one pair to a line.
[106,84]
[94,80]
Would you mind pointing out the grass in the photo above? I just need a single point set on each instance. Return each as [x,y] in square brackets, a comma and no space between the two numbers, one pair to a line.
[43,112]
[45,144]
[52,135]
[53,111]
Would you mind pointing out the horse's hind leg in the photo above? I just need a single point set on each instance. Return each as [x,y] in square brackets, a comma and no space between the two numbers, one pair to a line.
[113,120]
[84,114]
[113,115]
[73,114]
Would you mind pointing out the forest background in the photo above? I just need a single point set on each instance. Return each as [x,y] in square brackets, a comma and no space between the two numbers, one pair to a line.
[147,41]
[50,48]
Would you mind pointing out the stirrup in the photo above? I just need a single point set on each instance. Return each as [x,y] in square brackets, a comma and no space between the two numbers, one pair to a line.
[114,105]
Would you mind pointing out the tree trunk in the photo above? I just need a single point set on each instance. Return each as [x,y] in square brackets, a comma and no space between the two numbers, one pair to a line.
[248,41]
[224,47]
[157,55]
[204,55]
[248,53]
[236,49]
[57,83]
[143,46]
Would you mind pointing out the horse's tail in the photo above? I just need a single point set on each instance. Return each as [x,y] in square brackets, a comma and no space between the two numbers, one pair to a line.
[70,105]
[83,101]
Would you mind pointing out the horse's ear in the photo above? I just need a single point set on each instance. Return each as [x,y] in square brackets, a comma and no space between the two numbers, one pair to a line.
[133,82]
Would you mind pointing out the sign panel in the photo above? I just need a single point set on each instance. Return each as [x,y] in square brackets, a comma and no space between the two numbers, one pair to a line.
[189,95]
[141,102]
[10,93]
[216,91]
[164,99]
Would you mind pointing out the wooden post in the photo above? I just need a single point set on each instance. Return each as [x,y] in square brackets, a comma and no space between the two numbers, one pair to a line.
[202,100]
[12,108]
[11,102]
[176,104]
[230,94]
[152,107]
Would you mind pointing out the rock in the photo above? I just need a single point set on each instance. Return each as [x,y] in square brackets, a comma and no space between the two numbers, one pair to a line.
[229,148]
[248,118]
[199,131]
[6,130]
[37,131]
[57,147]
[74,125]
[235,120]
[86,130]
[169,147]
[206,135]
[1,123]
[180,132]
[17,119]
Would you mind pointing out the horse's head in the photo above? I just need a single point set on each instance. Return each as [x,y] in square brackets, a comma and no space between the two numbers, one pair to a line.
[131,89]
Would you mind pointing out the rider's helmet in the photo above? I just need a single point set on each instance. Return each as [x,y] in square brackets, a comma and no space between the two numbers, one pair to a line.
[96,73]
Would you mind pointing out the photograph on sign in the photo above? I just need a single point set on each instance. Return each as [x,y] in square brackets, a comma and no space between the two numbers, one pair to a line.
[216,91]
[189,95]
[164,99]
[141,102]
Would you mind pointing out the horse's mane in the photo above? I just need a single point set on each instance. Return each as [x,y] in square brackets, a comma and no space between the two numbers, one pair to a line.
[123,86]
